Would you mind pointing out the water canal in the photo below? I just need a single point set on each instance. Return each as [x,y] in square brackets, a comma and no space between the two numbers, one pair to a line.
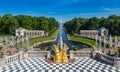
[72,45]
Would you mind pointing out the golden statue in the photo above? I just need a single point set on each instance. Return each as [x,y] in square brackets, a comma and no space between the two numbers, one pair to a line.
[64,55]
[1,52]
[10,49]
[60,55]
[92,48]
[111,50]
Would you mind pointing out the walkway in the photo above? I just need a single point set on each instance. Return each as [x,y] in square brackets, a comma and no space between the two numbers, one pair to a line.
[39,65]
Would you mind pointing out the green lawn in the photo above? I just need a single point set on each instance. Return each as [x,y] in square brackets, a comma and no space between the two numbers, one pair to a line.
[81,39]
[39,39]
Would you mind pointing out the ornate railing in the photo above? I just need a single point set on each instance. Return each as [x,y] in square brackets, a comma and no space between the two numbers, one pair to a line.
[114,60]
[104,57]
[117,62]
[77,54]
[73,54]
[40,54]
[12,58]
[107,58]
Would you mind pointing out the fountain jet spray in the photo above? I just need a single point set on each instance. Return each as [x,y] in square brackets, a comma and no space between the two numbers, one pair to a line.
[61,41]
[110,39]
[6,42]
[116,42]
[96,42]
[100,43]
[104,42]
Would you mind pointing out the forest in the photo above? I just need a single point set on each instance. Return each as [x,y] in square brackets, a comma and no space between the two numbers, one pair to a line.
[9,23]
[112,23]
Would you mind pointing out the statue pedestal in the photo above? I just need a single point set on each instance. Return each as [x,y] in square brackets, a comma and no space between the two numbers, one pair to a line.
[71,56]
[48,55]
[25,55]
[117,63]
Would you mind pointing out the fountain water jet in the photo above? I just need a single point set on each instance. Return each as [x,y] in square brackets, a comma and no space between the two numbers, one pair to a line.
[96,38]
[6,42]
[104,42]
[116,42]
[100,42]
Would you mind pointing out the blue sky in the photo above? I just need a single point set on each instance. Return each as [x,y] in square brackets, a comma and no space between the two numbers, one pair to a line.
[61,9]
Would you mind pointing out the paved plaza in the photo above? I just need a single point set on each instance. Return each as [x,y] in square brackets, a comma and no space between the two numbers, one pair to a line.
[39,65]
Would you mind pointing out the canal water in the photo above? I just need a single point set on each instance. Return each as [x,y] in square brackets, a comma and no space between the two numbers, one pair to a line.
[72,45]
[64,37]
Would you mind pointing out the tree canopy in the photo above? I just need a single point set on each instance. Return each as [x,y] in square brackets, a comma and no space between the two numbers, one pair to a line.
[8,23]
[112,23]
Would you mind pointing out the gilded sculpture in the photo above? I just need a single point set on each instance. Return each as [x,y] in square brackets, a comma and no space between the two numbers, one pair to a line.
[60,55]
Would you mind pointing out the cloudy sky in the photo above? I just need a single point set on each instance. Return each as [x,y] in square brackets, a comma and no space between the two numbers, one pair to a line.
[61,9]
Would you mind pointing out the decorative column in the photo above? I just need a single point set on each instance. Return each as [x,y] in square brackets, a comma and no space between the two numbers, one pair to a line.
[71,55]
[117,62]
[25,55]
[104,42]
[2,62]
[21,56]
[48,55]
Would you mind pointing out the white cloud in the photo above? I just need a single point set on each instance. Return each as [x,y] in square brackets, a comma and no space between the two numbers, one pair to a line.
[107,9]
[110,9]
[88,15]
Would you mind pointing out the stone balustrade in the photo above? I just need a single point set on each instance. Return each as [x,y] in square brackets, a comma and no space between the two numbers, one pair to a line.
[12,58]
[73,54]
[23,55]
[78,54]
[102,56]
[115,61]
[40,54]
[2,62]
[107,58]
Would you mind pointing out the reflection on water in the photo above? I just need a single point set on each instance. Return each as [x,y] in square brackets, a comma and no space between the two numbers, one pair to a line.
[64,37]
[72,45]
[78,45]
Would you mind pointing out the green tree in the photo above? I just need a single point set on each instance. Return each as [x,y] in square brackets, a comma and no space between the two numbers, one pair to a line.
[93,23]
[9,23]
[12,23]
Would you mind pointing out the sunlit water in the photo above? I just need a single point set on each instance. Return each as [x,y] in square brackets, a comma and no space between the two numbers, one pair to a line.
[71,45]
